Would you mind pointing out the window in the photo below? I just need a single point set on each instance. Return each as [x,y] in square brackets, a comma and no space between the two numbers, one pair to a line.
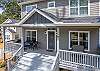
[78,7]
[31,35]
[30,8]
[79,38]
[7,37]
[51,4]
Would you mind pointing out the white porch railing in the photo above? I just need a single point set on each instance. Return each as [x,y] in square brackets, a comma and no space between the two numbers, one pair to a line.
[55,66]
[78,59]
[14,59]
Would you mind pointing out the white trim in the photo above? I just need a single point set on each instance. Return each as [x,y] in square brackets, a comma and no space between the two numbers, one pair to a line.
[30,30]
[32,12]
[31,7]
[88,7]
[99,37]
[49,3]
[79,9]
[58,34]
[55,38]
[99,7]
[78,38]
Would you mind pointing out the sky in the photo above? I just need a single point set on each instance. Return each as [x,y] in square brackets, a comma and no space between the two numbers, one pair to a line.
[1,10]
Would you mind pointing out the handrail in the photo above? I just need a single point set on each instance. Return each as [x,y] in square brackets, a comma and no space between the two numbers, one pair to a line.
[80,53]
[55,61]
[77,58]
[12,61]
[16,52]
[14,43]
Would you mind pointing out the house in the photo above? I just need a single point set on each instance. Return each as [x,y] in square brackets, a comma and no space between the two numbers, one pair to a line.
[11,33]
[69,27]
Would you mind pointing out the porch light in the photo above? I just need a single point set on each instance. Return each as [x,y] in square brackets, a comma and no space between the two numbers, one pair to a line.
[57,34]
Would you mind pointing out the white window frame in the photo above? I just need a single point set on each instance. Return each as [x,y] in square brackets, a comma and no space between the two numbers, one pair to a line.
[55,38]
[79,9]
[31,7]
[78,38]
[99,7]
[51,2]
[26,34]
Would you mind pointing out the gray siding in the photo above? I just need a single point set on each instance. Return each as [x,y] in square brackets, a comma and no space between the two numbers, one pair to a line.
[36,18]
[62,8]
[94,7]
[64,37]
[41,36]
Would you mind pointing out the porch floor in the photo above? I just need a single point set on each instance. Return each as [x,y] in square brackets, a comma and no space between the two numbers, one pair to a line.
[38,60]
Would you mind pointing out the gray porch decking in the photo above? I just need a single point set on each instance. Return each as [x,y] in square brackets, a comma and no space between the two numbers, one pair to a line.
[37,60]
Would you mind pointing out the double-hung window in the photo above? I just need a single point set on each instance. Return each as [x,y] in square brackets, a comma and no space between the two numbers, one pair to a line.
[31,35]
[51,4]
[30,8]
[78,7]
[79,38]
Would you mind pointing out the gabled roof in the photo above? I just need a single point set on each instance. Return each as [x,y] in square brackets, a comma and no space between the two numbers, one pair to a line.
[10,21]
[43,13]
[11,30]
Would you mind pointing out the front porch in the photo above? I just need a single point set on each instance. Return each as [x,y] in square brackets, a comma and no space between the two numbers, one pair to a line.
[39,60]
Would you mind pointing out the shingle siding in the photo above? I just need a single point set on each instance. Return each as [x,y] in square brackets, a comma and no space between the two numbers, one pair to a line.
[94,7]
[62,8]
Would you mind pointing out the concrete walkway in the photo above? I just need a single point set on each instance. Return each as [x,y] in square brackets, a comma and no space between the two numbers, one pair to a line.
[35,62]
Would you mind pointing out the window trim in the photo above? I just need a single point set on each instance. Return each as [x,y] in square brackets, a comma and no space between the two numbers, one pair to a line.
[78,38]
[79,9]
[26,34]
[31,6]
[51,2]
[99,7]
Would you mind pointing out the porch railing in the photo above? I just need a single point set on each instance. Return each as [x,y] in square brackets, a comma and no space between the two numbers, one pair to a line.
[55,66]
[14,59]
[79,59]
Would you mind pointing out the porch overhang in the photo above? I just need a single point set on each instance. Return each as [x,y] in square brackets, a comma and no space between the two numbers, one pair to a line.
[53,25]
[10,25]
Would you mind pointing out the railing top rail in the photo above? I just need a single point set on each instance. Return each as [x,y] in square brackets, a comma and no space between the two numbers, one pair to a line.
[14,43]
[81,53]
[16,53]
[55,61]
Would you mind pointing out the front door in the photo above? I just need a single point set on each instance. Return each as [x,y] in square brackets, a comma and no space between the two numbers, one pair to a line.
[51,39]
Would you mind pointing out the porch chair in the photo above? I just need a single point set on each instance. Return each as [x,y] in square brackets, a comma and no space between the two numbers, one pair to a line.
[36,45]
[27,45]
[78,48]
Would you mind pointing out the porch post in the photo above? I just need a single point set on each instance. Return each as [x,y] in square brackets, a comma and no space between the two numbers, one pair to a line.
[58,39]
[22,38]
[4,46]
[99,38]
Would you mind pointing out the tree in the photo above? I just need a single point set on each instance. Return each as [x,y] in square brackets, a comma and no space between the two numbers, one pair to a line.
[12,10]
[2,18]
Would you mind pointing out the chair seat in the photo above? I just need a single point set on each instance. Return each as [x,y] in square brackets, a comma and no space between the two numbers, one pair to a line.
[78,48]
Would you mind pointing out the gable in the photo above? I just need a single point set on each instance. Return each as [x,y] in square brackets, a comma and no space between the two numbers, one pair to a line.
[37,18]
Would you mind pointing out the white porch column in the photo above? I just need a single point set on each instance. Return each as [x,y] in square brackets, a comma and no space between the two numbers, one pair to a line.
[99,38]
[57,38]
[22,38]
[4,46]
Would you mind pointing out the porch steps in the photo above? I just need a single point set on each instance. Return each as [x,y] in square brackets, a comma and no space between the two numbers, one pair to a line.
[35,62]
